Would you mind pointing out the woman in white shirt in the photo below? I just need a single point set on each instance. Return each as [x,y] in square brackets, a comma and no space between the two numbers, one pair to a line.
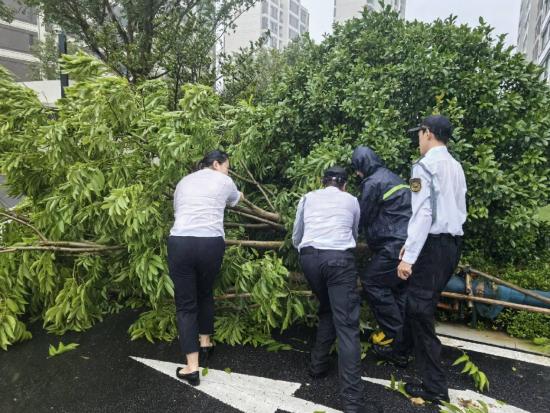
[195,253]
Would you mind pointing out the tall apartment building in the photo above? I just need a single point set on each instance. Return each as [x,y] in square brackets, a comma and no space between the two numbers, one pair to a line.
[284,19]
[347,9]
[17,37]
[534,32]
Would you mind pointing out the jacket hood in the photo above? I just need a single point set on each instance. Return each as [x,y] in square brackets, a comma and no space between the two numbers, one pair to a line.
[365,160]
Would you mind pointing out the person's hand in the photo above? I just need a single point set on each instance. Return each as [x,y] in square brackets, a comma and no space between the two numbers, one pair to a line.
[404,270]
[402,252]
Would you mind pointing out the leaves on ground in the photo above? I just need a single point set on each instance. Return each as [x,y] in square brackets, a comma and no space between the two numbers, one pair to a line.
[62,348]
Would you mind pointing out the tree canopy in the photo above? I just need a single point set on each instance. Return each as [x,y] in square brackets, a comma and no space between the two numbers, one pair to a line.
[146,39]
[98,171]
[379,75]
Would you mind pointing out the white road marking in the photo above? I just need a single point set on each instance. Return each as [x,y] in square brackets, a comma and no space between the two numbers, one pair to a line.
[249,394]
[495,351]
[459,396]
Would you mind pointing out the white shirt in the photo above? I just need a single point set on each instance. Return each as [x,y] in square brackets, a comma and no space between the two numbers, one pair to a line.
[440,205]
[199,203]
[326,219]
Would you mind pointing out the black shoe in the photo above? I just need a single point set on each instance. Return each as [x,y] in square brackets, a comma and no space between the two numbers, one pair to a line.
[204,355]
[193,379]
[360,406]
[317,374]
[387,353]
[418,390]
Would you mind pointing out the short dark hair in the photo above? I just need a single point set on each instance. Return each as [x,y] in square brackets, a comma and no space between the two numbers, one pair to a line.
[210,157]
[335,176]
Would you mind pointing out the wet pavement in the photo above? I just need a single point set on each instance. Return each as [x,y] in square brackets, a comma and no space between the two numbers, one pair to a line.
[100,376]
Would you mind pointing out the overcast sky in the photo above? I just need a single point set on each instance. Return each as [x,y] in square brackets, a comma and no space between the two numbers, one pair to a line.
[503,15]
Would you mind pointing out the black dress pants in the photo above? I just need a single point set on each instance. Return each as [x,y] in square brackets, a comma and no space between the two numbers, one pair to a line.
[430,274]
[333,278]
[386,293]
[194,263]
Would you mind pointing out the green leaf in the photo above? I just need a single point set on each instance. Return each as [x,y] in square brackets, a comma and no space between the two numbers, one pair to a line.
[451,408]
[61,349]
[204,371]
[461,359]
[12,305]
[467,367]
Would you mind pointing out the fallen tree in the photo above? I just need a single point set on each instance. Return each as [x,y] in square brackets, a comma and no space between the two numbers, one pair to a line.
[98,172]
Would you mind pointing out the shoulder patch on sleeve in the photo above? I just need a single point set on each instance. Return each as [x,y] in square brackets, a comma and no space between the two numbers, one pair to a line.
[415,184]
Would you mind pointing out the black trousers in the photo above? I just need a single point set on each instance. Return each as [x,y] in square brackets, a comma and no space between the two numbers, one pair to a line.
[194,263]
[333,278]
[430,274]
[386,293]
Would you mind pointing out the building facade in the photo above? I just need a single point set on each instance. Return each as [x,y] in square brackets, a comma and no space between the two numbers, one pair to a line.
[283,19]
[347,9]
[534,32]
[17,37]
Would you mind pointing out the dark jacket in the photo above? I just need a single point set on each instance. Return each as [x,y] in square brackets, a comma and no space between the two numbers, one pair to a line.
[385,203]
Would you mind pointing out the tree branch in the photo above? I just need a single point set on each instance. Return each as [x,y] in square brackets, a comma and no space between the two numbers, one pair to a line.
[75,250]
[259,186]
[45,244]
[246,225]
[242,178]
[261,212]
[255,244]
[256,218]
[21,220]
[119,28]
[230,296]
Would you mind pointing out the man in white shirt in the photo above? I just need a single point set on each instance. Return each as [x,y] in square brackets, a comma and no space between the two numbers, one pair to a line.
[325,232]
[433,247]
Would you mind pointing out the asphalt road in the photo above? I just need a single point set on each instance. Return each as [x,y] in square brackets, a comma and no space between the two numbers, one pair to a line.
[100,376]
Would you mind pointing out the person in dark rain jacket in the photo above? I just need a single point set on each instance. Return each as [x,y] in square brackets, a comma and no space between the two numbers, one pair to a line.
[385,203]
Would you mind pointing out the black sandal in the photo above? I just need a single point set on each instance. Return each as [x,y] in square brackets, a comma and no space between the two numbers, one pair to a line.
[192,378]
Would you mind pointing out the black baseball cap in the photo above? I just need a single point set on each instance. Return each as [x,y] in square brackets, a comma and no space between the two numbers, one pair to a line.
[439,125]
[336,172]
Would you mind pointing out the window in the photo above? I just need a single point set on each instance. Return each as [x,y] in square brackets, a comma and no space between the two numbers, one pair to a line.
[293,21]
[274,27]
[304,16]
[294,7]
[264,23]
[31,39]
[303,29]
[545,37]
[292,34]
[265,7]
[273,42]
[274,12]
